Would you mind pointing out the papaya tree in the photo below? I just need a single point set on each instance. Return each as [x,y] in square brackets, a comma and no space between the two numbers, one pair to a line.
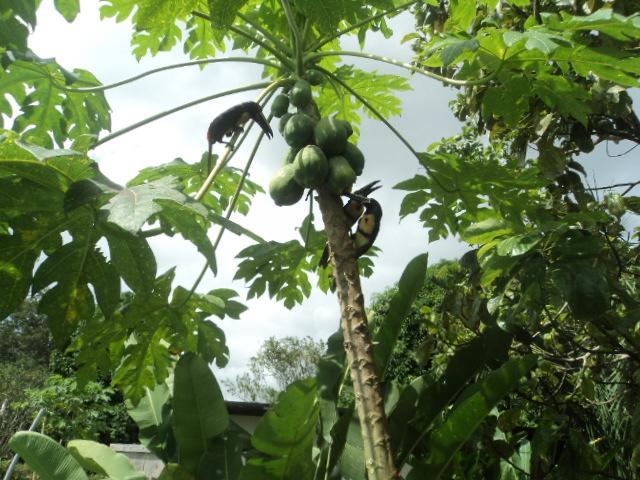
[60,215]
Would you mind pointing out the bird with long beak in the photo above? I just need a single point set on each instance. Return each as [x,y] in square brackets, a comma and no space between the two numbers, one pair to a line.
[354,209]
[233,120]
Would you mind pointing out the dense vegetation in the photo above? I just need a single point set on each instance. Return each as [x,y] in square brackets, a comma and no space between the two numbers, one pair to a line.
[528,366]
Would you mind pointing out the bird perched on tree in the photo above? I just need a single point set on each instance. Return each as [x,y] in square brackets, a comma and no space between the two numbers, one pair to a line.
[233,120]
[368,226]
[353,209]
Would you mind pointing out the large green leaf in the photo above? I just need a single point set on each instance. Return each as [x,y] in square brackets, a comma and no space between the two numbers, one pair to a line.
[15,20]
[133,258]
[153,416]
[154,22]
[133,206]
[46,457]
[427,399]
[328,15]
[445,441]
[285,435]
[191,226]
[570,99]
[69,9]
[225,456]
[223,12]
[98,458]
[352,463]
[378,90]
[604,20]
[46,113]
[199,411]
[16,266]
[409,285]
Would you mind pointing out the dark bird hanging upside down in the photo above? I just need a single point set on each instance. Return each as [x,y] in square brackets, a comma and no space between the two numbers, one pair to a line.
[233,120]
[358,204]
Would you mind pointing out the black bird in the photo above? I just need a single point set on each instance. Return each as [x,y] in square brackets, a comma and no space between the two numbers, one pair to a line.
[368,226]
[233,120]
[353,209]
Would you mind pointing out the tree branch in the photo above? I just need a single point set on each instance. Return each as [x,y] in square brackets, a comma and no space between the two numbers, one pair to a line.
[446,80]
[160,115]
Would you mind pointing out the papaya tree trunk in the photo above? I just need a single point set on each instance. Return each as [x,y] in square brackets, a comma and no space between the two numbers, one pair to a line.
[357,341]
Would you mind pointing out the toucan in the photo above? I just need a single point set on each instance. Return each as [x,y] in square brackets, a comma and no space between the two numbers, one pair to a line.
[234,119]
[368,226]
[353,209]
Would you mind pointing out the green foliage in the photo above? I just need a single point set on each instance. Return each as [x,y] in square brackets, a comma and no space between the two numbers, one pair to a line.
[153,415]
[378,90]
[92,412]
[48,113]
[552,273]
[47,458]
[101,459]
[284,437]
[408,287]
[466,417]
[199,412]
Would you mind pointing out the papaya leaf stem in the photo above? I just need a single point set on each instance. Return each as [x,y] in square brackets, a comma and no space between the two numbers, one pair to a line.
[277,43]
[386,122]
[240,31]
[101,88]
[298,47]
[184,106]
[379,58]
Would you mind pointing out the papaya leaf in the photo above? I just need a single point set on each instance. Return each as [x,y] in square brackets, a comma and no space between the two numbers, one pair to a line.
[328,15]
[518,244]
[223,12]
[191,226]
[154,21]
[69,9]
[409,285]
[133,259]
[280,267]
[144,361]
[46,457]
[447,439]
[486,230]
[570,99]
[602,20]
[285,435]
[379,90]
[199,411]
[17,261]
[133,206]
[47,114]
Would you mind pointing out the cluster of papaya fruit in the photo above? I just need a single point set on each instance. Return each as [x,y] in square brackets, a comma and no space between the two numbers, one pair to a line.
[320,152]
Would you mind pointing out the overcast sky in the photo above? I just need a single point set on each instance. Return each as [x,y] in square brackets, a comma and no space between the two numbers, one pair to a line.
[103,47]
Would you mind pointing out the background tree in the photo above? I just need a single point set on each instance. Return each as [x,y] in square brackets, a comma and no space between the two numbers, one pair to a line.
[278,363]
[34,375]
